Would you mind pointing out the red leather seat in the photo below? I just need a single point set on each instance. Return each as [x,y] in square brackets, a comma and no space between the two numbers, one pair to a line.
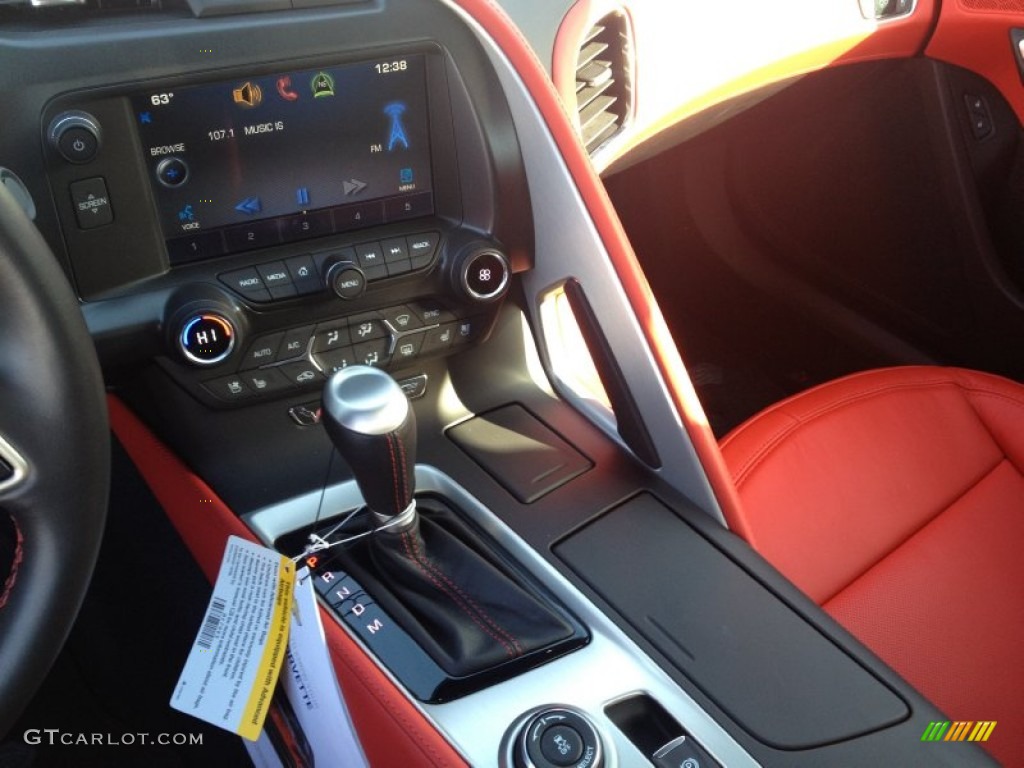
[895,499]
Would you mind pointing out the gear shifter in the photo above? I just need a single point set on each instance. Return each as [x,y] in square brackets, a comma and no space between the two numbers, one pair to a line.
[468,609]
[374,429]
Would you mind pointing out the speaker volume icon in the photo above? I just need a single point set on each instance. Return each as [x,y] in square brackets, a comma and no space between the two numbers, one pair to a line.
[248,95]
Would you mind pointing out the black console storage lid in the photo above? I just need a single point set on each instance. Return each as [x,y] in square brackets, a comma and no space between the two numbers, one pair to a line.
[763,664]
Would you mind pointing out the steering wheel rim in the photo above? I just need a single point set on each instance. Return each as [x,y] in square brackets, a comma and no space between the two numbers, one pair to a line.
[53,419]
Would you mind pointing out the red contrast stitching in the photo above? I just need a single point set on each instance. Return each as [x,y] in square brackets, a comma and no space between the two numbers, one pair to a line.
[511,649]
[482,613]
[19,553]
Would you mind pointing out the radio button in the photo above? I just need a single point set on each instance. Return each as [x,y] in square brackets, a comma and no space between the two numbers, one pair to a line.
[248,283]
[263,351]
[277,279]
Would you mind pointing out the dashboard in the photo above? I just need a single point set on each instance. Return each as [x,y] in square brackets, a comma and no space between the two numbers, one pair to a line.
[249,197]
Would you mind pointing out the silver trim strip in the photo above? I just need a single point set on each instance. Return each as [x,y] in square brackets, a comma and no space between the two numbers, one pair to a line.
[16,462]
[609,668]
[568,245]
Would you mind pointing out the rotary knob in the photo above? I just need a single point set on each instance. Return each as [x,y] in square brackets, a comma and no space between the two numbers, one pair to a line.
[76,136]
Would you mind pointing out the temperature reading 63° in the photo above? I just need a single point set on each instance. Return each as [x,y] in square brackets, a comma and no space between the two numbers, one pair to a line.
[159,99]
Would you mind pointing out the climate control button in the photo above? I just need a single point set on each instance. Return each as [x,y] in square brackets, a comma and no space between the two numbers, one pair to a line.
[207,339]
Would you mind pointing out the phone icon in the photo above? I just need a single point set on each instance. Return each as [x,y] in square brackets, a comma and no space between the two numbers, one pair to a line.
[284,89]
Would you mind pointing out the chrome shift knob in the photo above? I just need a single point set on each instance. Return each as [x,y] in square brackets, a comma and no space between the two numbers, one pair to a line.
[373,426]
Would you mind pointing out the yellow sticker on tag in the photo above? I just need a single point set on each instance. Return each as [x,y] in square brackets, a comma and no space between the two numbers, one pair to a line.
[232,669]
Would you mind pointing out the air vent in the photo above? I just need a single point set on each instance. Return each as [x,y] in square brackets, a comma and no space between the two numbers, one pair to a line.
[604,89]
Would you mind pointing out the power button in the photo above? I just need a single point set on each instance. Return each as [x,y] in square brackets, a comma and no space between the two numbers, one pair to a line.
[75,136]
[206,339]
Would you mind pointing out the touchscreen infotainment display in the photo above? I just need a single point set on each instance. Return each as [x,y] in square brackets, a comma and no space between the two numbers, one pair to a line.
[269,159]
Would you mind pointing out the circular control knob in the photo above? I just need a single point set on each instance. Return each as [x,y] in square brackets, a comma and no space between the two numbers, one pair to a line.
[345,280]
[76,136]
[206,338]
[559,737]
[484,274]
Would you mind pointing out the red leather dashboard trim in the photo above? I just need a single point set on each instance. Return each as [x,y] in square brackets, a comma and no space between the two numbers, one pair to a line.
[979,40]
[523,59]
[391,730]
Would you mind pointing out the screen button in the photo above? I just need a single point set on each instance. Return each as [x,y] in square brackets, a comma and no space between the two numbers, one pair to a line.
[92,203]
[172,172]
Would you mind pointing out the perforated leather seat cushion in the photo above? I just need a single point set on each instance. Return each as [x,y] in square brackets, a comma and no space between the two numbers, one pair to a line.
[895,499]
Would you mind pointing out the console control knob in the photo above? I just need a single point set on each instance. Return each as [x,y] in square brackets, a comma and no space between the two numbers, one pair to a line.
[206,338]
[559,737]
[345,280]
[76,136]
[484,274]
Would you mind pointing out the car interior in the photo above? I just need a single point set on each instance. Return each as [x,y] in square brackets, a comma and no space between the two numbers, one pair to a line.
[639,382]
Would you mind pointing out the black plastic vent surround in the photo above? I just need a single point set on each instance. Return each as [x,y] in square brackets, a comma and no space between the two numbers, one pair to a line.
[604,88]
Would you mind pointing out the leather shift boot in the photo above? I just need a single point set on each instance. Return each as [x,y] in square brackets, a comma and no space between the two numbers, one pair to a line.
[465,608]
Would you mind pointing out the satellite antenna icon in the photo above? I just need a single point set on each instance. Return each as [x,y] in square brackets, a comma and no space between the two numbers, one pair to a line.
[395,112]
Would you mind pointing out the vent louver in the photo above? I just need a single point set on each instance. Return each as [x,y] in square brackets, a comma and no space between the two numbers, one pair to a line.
[604,91]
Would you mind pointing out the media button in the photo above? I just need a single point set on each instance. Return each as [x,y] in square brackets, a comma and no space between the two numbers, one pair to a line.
[277,279]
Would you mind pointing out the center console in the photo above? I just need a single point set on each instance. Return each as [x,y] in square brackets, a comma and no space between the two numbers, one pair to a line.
[274,199]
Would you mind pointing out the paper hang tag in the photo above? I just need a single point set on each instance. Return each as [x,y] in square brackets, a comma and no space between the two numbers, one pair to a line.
[312,688]
[232,669]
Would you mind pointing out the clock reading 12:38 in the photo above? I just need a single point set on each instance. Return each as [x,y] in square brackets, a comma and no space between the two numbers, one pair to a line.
[387,67]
